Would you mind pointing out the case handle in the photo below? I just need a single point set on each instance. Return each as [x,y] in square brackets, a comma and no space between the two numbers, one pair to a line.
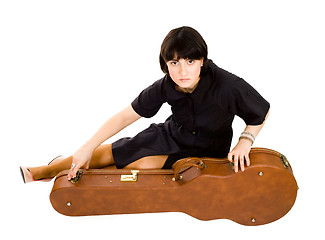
[184,164]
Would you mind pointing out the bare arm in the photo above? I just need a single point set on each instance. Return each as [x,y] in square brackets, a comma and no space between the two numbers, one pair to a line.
[82,157]
[240,153]
[112,126]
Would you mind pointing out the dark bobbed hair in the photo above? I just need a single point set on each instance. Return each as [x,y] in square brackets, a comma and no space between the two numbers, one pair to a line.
[184,42]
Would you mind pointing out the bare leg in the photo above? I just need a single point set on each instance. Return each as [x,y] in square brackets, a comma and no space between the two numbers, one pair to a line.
[151,162]
[102,157]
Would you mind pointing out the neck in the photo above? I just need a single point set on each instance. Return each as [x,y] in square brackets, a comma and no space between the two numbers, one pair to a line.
[186,90]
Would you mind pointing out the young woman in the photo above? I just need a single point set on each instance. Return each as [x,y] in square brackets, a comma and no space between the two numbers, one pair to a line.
[204,100]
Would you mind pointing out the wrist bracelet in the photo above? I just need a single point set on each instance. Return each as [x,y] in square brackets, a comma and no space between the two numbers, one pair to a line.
[247,135]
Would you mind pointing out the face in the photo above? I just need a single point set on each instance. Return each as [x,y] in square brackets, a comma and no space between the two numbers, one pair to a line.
[185,73]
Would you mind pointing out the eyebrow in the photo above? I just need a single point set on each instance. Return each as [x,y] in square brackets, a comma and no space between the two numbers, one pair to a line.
[177,60]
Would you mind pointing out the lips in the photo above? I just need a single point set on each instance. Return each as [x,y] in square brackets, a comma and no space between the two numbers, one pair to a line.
[184,79]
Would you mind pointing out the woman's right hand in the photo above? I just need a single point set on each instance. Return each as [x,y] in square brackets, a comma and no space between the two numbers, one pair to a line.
[112,126]
[81,158]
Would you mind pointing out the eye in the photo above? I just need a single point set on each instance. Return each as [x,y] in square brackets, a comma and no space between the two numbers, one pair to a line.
[190,61]
[173,63]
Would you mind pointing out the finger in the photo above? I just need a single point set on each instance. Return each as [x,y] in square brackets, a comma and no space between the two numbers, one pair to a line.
[70,174]
[73,171]
[230,156]
[242,162]
[86,165]
[248,161]
[236,163]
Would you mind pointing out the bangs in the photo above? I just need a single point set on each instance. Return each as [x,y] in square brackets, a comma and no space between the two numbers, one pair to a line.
[182,48]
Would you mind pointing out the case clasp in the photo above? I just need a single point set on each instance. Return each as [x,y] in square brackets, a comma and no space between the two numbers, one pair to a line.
[130,178]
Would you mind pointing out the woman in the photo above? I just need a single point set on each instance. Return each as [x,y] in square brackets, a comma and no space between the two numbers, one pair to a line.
[204,100]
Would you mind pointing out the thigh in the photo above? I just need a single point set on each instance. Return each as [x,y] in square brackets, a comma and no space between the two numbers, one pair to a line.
[150,162]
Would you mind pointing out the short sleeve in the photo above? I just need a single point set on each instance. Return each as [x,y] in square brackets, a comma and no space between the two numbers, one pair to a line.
[150,100]
[245,102]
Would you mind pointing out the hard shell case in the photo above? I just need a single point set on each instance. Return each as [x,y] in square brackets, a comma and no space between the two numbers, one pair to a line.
[205,188]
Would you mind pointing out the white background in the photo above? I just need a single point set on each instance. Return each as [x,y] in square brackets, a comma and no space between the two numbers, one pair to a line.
[66,66]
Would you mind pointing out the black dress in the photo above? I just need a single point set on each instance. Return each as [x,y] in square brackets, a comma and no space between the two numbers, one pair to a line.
[200,124]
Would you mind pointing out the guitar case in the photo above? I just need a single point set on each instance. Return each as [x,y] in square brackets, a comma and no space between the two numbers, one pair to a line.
[204,188]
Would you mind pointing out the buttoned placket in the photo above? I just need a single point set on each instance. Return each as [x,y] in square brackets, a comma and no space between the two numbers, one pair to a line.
[192,112]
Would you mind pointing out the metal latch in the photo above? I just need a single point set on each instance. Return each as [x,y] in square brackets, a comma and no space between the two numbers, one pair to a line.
[77,177]
[284,160]
[130,178]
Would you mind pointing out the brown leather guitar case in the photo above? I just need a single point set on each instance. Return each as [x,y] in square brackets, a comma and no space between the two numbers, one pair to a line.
[205,188]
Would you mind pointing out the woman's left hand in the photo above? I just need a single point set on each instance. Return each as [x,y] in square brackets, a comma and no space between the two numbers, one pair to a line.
[240,154]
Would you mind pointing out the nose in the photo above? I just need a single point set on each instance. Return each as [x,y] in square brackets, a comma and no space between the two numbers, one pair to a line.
[182,69]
